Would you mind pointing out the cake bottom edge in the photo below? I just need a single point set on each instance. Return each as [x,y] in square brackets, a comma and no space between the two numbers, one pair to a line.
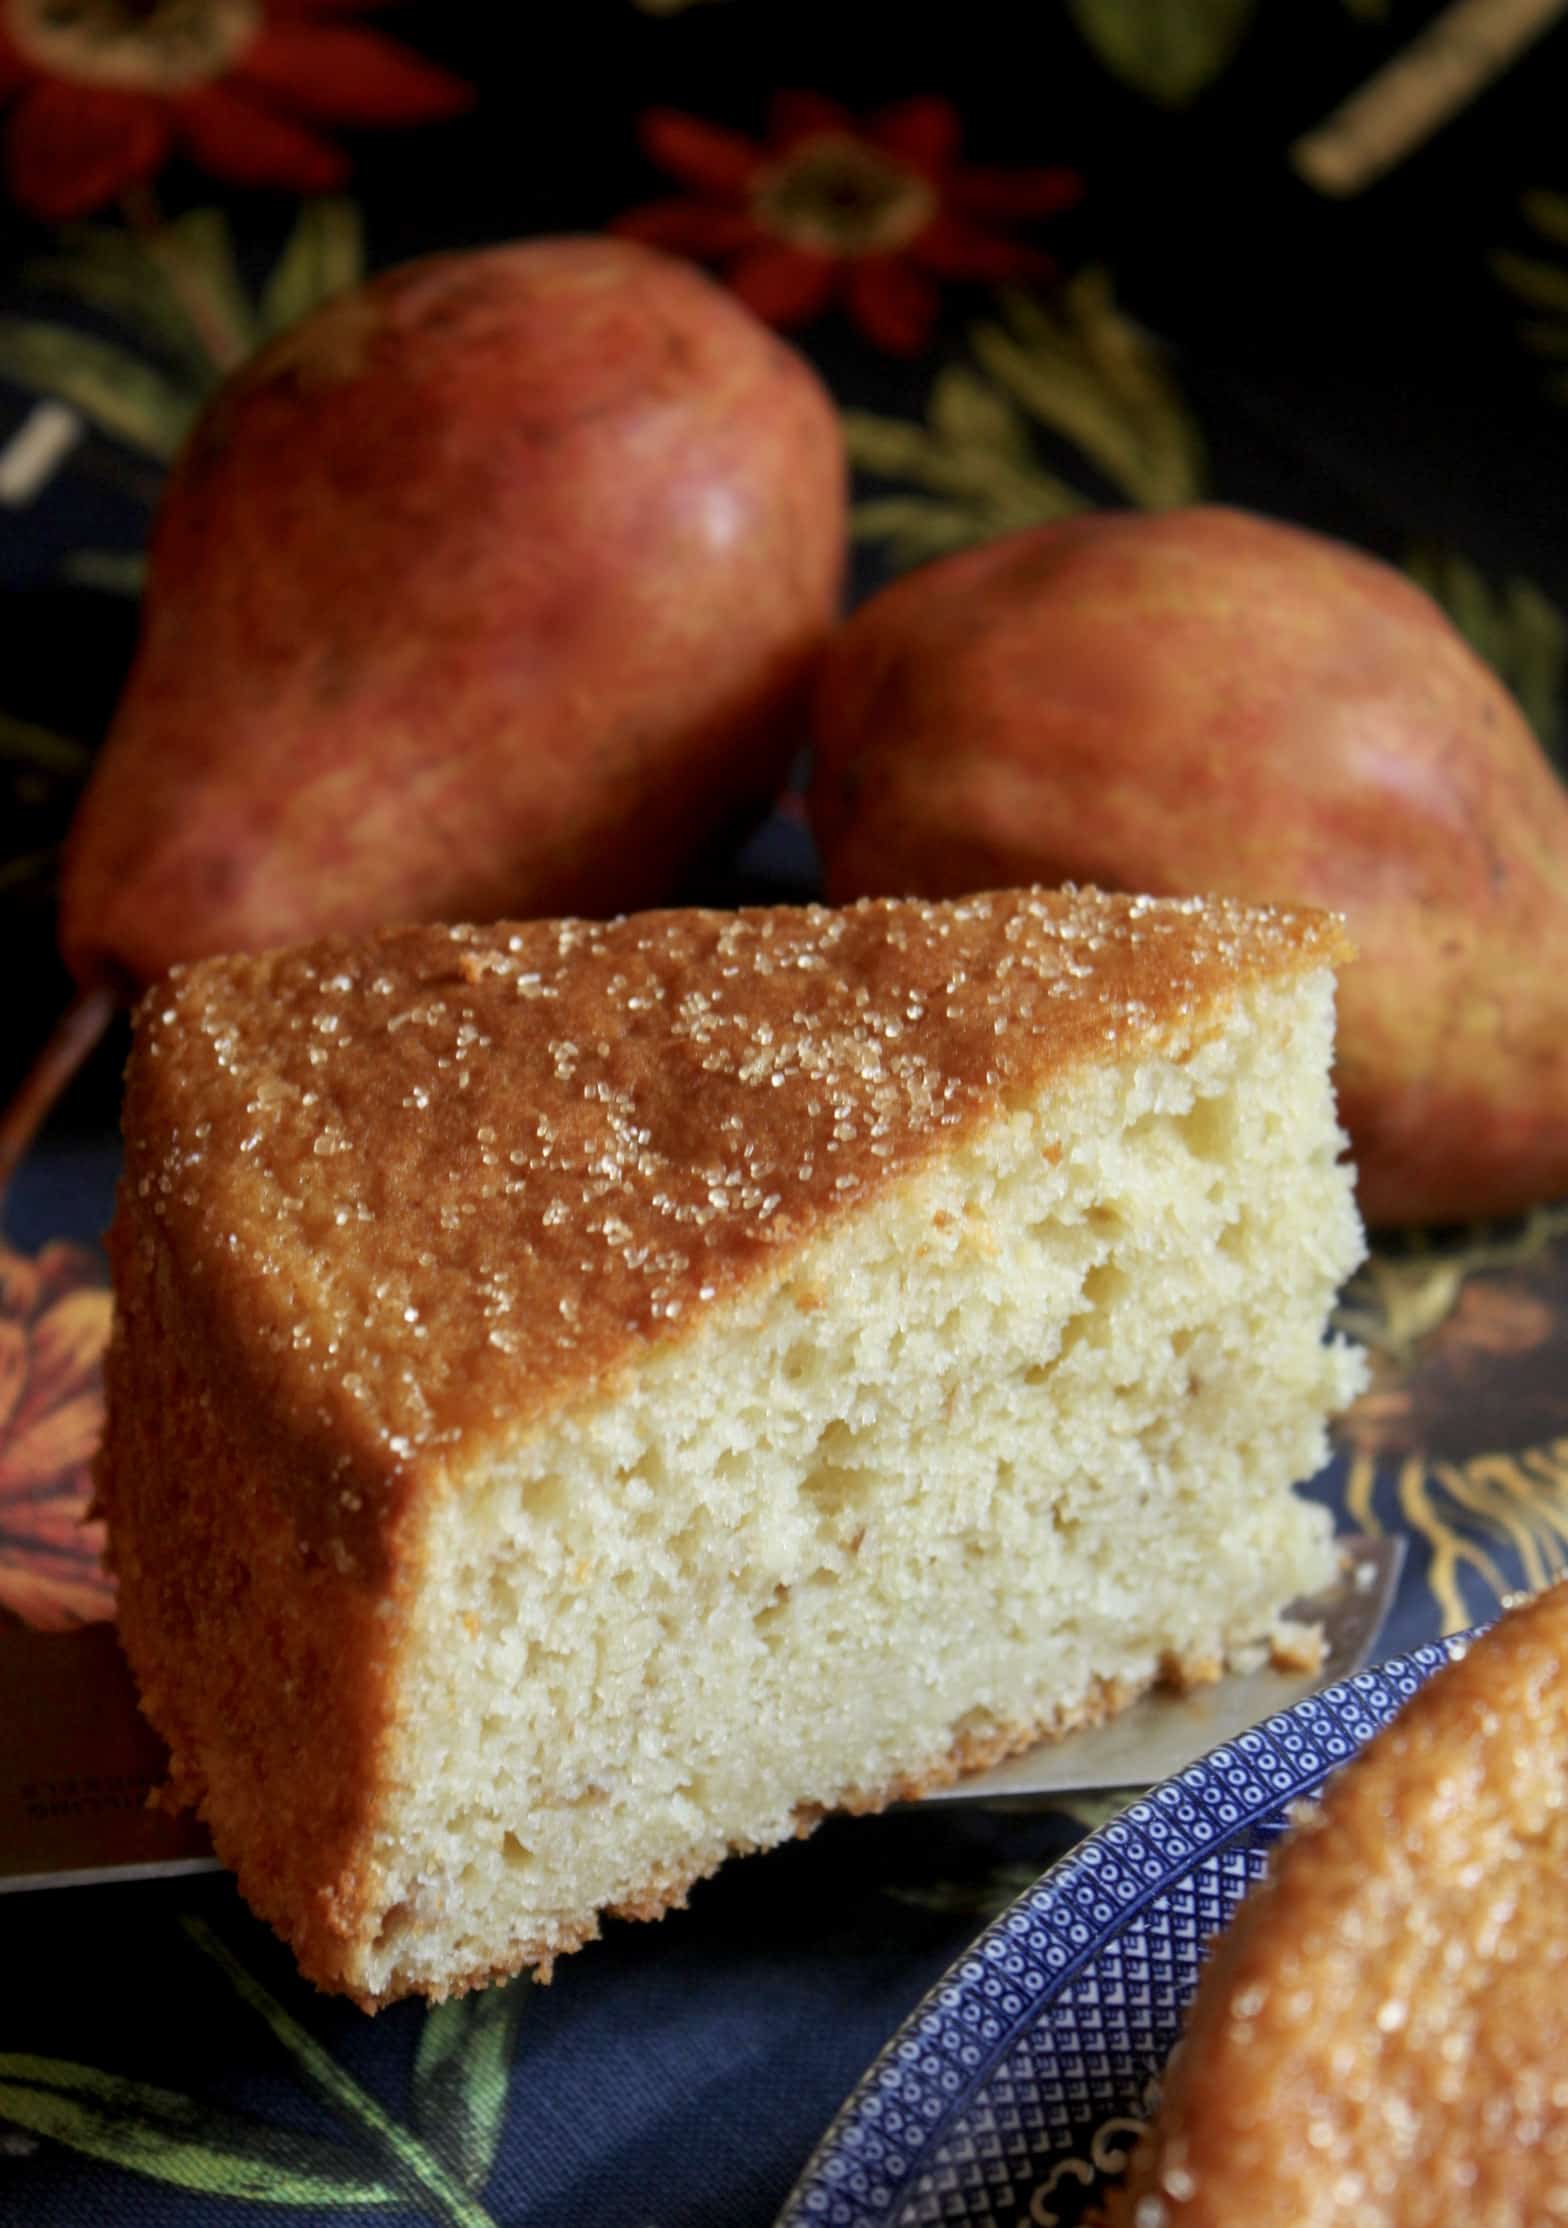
[972,1750]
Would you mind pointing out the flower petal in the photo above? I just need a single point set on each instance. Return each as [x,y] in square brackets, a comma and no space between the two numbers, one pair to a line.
[786,286]
[13,1370]
[793,117]
[338,74]
[63,1438]
[236,138]
[53,1592]
[18,1284]
[66,1348]
[894,306]
[925,132]
[50,1521]
[698,153]
[956,250]
[70,147]
[982,191]
[699,228]
[60,1266]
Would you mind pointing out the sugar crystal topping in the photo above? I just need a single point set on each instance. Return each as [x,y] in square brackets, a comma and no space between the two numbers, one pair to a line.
[444,1178]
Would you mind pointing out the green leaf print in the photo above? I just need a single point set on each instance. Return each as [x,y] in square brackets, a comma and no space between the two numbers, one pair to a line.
[423,2175]
[1078,373]
[102,268]
[1543,285]
[120,393]
[967,414]
[1548,212]
[40,773]
[916,529]
[1517,628]
[462,2069]
[981,1895]
[177,2140]
[28,871]
[1168,50]
[116,572]
[151,281]
[1540,282]
[437,2166]
[183,317]
[1092,1811]
[1092,376]
[196,253]
[325,254]
[974,450]
[40,749]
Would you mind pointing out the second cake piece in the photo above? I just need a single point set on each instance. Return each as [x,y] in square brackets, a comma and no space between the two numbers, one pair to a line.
[591,1397]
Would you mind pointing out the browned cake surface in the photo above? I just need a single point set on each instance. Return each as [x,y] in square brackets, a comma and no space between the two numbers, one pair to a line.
[551,1142]
[1382,2036]
[384,1200]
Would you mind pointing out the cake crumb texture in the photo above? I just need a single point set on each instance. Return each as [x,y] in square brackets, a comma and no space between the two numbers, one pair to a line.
[588,1397]
[1381,2036]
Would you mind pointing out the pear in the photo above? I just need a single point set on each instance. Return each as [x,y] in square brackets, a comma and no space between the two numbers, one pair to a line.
[490,588]
[1206,701]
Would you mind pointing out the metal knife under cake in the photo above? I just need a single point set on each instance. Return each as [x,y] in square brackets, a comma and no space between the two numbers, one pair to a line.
[78,1762]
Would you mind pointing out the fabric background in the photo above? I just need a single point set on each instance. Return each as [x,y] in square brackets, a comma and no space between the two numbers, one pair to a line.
[1390,366]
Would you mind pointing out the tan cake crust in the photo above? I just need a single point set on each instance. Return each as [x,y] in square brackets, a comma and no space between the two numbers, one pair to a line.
[584,1131]
[215,1582]
[550,1145]
[1381,2037]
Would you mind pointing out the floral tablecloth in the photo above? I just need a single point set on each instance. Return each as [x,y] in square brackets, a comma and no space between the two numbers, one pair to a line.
[1312,260]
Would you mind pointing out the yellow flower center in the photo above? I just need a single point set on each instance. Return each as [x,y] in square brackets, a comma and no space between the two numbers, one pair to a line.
[838,196]
[140,46]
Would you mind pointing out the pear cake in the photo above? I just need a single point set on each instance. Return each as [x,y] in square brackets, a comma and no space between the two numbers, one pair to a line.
[590,1397]
[1380,2037]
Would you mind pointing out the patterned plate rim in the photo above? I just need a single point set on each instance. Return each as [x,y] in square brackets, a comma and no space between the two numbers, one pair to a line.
[919,2084]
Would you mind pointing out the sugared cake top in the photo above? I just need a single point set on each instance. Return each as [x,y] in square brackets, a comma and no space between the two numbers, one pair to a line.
[447,1176]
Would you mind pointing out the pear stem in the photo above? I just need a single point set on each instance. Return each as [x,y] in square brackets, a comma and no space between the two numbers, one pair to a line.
[224,347]
[67,1047]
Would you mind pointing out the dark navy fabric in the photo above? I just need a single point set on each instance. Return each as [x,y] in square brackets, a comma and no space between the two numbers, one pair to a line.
[1388,366]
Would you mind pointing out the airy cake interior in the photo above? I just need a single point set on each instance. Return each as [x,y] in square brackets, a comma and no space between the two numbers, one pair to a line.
[983,1459]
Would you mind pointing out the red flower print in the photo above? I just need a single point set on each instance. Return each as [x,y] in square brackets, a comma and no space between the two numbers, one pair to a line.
[103,92]
[869,214]
[54,1325]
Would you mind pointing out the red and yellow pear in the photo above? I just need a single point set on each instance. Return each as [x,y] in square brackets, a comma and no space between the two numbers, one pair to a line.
[1206,701]
[490,588]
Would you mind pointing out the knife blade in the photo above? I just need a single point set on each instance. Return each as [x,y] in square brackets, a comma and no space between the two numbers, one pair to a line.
[1166,1731]
[79,1762]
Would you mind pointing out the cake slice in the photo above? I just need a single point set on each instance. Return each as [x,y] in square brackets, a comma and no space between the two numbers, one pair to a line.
[590,1397]
[1380,2037]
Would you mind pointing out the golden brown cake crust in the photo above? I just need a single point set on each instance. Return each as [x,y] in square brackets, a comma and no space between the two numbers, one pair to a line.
[217,1589]
[443,1181]
[1382,2035]
[383,1201]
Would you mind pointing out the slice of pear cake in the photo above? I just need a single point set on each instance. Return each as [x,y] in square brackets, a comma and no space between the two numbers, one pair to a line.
[590,1397]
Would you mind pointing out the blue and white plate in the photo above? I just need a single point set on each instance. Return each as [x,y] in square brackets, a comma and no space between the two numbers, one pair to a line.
[1014,2091]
